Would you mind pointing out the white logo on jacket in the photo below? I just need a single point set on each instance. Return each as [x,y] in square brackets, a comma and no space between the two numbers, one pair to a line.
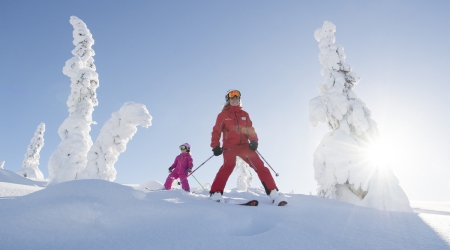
[244,118]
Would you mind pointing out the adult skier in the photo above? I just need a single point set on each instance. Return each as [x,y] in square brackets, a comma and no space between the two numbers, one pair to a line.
[180,168]
[238,139]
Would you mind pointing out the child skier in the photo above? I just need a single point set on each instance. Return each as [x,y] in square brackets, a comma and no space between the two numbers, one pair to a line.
[180,168]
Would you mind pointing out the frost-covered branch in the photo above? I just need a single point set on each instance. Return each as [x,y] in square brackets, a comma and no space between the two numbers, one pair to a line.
[337,105]
[71,154]
[113,139]
[30,166]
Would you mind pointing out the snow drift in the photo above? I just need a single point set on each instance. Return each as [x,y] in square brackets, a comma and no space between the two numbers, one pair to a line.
[97,214]
[11,177]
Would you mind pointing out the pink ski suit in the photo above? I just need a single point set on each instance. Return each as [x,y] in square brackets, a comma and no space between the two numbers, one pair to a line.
[180,167]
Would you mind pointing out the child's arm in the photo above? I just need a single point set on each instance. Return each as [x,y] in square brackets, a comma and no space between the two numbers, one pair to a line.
[190,164]
[173,165]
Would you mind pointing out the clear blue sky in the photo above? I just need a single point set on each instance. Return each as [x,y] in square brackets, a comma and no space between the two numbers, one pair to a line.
[180,57]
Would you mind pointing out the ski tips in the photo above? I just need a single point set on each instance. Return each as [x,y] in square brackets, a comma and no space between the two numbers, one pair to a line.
[251,203]
[282,203]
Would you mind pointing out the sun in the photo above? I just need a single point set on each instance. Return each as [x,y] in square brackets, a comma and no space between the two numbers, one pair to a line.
[382,152]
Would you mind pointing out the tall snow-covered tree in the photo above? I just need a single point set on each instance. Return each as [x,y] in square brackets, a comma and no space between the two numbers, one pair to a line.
[30,165]
[342,168]
[71,154]
[113,139]
[244,179]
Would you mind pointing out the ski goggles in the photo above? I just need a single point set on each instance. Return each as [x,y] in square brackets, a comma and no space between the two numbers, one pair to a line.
[232,94]
[182,147]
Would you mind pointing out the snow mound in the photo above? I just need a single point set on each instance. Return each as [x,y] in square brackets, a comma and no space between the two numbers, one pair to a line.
[149,185]
[97,214]
[14,190]
[86,191]
[11,177]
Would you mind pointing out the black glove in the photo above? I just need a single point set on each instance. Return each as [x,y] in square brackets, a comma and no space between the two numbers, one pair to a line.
[170,170]
[189,170]
[253,145]
[217,150]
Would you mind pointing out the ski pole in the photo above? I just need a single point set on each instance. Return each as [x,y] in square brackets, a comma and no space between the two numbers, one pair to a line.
[197,168]
[276,174]
[198,182]
[195,179]
[252,165]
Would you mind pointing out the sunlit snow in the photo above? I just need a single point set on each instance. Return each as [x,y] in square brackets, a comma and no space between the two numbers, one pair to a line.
[97,214]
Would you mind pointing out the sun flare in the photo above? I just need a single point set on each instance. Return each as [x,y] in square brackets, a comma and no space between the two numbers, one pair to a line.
[382,152]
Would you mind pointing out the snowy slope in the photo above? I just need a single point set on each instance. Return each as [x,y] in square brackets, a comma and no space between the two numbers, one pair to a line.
[96,214]
[13,190]
[11,177]
[431,207]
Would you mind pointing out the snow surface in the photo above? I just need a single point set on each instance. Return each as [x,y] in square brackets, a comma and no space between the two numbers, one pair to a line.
[444,207]
[97,214]
[11,177]
[13,190]
[12,184]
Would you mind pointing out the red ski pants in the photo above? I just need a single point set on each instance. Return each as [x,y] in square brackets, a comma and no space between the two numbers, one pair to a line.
[251,158]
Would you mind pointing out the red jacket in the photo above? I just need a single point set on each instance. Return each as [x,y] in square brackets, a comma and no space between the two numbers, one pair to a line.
[236,127]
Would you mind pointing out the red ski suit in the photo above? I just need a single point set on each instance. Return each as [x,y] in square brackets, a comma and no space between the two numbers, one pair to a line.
[236,128]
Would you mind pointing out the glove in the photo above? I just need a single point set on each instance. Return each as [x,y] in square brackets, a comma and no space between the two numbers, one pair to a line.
[253,145]
[170,170]
[217,150]
[189,170]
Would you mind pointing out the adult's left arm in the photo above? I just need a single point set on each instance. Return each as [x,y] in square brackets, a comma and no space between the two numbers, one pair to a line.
[216,132]
[252,136]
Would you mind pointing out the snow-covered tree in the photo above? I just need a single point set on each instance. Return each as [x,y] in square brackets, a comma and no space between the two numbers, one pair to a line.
[2,164]
[71,154]
[30,165]
[244,179]
[342,168]
[113,139]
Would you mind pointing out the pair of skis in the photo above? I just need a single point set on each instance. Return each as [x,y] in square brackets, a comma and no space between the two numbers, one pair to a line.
[254,203]
[251,203]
